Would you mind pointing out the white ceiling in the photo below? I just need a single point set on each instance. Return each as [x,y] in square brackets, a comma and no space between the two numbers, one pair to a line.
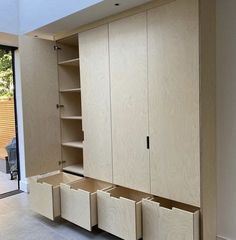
[88,15]
[9,16]
[24,16]
[38,13]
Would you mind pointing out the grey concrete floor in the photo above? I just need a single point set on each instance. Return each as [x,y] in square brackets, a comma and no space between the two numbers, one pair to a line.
[18,222]
[7,185]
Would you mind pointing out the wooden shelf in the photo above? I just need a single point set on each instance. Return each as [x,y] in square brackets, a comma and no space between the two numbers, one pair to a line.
[72,118]
[75,144]
[76,169]
[71,62]
[70,90]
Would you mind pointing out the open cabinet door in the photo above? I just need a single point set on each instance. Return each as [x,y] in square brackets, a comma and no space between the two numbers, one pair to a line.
[39,80]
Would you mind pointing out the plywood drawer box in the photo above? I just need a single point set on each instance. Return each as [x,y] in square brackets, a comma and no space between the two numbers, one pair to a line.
[79,201]
[168,220]
[45,193]
[120,212]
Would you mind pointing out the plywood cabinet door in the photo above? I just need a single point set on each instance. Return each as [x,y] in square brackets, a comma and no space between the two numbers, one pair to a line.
[129,101]
[96,108]
[173,74]
[39,96]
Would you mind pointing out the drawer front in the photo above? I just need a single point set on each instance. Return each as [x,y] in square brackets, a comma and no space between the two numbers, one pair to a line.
[79,201]
[118,216]
[76,206]
[44,204]
[162,223]
[45,193]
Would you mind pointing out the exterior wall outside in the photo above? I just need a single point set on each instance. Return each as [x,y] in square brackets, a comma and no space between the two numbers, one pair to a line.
[7,124]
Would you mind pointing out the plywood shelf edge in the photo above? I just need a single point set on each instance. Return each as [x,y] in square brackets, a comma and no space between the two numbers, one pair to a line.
[70,62]
[70,90]
[74,144]
[71,118]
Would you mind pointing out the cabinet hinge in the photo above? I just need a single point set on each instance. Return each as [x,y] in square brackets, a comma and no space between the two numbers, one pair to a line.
[61,162]
[82,135]
[59,106]
[148,142]
[56,48]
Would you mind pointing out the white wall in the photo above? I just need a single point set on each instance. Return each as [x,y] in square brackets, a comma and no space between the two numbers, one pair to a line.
[37,13]
[19,107]
[226,117]
[9,14]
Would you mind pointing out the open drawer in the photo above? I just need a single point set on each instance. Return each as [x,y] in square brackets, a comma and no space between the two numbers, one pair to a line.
[169,220]
[79,201]
[120,212]
[45,193]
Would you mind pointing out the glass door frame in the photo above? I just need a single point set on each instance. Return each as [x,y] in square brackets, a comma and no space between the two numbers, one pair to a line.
[12,50]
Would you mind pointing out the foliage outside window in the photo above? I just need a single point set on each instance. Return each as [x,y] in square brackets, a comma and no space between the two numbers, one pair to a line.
[6,75]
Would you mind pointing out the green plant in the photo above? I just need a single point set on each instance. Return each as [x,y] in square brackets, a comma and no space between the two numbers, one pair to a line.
[6,74]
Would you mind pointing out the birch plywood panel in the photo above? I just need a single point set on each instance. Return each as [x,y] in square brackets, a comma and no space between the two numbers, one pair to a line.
[45,193]
[79,202]
[119,212]
[39,97]
[68,77]
[96,109]
[75,206]
[208,119]
[129,101]
[173,57]
[72,156]
[43,205]
[162,223]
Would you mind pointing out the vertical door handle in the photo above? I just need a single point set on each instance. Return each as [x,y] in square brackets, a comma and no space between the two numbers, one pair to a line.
[148,142]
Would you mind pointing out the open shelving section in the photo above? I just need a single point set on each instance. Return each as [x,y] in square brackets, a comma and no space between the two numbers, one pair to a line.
[70,105]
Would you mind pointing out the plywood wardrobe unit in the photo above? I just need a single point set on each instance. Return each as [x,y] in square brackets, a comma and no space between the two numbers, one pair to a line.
[156,65]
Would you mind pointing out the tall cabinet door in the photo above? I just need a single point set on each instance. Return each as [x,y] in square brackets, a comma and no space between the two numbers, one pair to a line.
[96,109]
[129,101]
[39,96]
[173,72]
